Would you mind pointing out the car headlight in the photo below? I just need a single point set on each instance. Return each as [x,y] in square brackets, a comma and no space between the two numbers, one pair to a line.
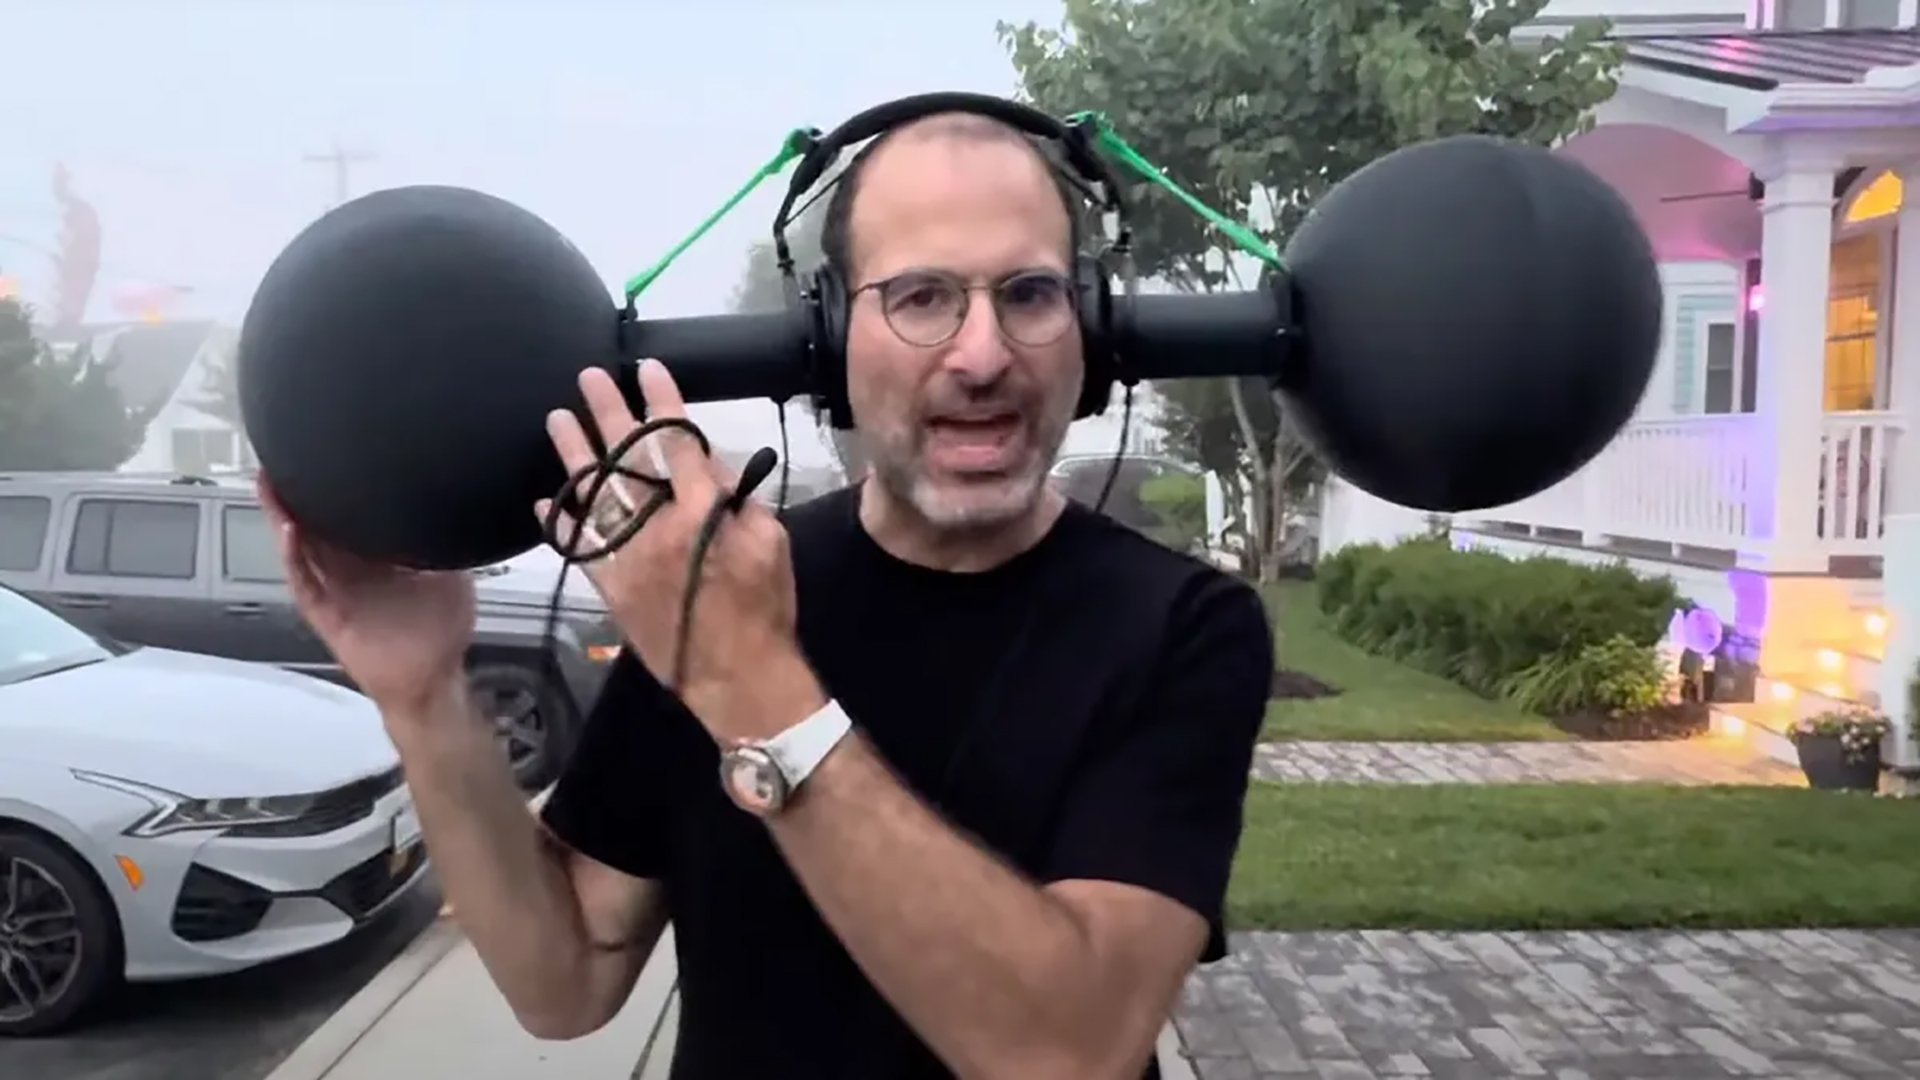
[177,813]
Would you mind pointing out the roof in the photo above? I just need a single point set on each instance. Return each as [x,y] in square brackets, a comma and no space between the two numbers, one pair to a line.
[146,363]
[1768,59]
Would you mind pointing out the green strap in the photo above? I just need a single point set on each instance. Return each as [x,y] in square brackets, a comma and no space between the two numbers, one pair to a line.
[1108,140]
[795,145]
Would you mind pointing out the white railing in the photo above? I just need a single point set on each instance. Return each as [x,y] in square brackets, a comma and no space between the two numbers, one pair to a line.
[1856,454]
[1687,482]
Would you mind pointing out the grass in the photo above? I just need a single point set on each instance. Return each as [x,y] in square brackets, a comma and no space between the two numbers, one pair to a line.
[1572,856]
[1380,700]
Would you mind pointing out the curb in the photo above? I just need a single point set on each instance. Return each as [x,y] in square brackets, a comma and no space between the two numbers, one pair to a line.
[338,1034]
[1174,1064]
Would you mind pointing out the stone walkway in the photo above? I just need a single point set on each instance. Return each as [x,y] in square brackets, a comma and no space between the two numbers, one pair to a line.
[1691,761]
[1367,1005]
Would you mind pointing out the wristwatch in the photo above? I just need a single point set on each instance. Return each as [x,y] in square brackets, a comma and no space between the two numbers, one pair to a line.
[761,776]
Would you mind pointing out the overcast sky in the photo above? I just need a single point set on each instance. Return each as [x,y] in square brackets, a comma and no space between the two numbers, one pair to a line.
[622,122]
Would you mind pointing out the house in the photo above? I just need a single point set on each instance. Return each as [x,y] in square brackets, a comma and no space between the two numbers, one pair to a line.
[169,373]
[1768,470]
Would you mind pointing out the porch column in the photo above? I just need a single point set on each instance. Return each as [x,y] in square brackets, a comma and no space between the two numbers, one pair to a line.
[1790,400]
[1903,352]
[1902,539]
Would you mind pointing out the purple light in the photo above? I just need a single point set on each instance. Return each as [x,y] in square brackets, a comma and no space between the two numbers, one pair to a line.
[1756,299]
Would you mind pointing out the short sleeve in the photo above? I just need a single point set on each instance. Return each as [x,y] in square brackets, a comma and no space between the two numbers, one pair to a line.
[1162,804]
[610,803]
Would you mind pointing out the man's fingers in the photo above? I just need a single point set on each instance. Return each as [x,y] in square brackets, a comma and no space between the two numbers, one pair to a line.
[614,420]
[690,470]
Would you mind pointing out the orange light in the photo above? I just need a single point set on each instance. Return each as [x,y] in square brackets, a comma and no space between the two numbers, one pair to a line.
[1731,725]
[1829,659]
[9,288]
[602,654]
[1780,691]
[1876,623]
[131,871]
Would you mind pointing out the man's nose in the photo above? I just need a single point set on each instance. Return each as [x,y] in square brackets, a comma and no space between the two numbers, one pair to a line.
[979,353]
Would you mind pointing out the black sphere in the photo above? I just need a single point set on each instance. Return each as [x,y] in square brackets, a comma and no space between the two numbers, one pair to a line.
[397,365]
[1479,319]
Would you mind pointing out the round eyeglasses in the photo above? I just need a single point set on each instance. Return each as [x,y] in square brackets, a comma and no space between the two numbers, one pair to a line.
[928,307]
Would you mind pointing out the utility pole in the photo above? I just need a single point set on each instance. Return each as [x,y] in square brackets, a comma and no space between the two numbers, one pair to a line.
[342,162]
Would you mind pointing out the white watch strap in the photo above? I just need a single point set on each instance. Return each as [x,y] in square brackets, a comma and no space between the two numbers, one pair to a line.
[801,748]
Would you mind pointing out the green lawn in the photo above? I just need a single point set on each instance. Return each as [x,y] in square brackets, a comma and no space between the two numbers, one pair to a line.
[1567,856]
[1380,700]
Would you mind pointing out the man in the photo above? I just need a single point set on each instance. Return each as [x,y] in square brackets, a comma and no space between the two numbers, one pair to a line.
[1025,730]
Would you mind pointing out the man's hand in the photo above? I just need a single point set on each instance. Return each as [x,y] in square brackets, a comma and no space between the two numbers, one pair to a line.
[744,673]
[401,635]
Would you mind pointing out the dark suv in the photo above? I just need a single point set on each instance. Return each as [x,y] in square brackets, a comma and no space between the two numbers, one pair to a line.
[190,563]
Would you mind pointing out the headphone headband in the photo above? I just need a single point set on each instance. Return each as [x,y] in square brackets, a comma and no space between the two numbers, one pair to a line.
[1073,139]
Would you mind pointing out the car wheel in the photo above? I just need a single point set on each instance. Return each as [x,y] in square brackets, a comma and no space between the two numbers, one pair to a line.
[59,940]
[528,714]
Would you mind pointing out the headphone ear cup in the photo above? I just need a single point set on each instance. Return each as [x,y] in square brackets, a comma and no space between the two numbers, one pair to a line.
[1095,295]
[826,298]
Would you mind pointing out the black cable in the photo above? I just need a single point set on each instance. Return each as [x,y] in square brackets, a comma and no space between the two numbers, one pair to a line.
[1119,452]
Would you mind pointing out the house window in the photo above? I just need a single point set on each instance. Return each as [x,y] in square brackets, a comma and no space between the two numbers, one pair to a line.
[1799,14]
[1854,300]
[1722,376]
[198,451]
[1870,14]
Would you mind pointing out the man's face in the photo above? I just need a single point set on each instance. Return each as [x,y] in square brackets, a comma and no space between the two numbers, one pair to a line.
[953,229]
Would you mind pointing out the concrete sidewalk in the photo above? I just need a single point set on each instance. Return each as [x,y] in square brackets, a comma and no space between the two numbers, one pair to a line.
[433,1014]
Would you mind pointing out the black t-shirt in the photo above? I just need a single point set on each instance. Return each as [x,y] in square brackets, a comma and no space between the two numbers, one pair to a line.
[1087,710]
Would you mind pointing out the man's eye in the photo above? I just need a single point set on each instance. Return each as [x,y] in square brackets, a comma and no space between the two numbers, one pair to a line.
[1034,291]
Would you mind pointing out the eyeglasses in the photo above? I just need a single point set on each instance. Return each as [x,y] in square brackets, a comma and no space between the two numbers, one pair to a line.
[928,307]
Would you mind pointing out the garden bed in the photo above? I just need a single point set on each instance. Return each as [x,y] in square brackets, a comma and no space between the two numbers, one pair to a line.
[1686,720]
[1289,685]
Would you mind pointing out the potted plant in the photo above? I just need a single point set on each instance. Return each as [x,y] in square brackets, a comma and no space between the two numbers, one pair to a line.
[1839,749]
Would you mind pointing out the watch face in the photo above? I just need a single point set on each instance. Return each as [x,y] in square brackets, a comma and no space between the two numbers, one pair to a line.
[752,780]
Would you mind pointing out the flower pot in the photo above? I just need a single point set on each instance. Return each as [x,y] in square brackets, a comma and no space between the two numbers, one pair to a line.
[1827,767]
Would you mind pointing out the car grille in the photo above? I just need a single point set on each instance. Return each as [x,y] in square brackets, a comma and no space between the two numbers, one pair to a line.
[332,810]
[213,906]
[370,884]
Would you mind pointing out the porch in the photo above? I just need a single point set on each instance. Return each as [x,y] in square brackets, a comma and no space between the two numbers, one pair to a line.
[1770,172]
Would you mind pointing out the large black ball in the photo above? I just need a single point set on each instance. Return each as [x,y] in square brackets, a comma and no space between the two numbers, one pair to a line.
[397,365]
[1479,317]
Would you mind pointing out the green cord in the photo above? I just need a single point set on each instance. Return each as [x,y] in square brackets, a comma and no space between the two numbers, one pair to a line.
[1107,139]
[795,145]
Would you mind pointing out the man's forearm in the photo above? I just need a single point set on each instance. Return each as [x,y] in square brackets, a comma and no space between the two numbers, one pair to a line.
[994,974]
[505,878]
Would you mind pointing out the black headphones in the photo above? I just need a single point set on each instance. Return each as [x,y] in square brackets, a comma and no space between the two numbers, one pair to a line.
[820,296]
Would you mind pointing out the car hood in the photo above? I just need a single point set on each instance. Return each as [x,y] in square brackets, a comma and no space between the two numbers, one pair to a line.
[196,725]
[527,581]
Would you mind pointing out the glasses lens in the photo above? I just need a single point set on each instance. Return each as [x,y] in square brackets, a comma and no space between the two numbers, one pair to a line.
[924,309]
[1034,309]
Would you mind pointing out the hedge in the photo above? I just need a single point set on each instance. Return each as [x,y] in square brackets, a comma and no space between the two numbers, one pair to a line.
[1482,619]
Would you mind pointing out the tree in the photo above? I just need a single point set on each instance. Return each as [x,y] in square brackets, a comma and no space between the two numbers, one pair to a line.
[762,289]
[58,411]
[1257,107]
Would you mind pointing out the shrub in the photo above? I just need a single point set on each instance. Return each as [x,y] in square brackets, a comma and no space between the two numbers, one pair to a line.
[1180,501]
[1859,730]
[1617,675]
[1482,619]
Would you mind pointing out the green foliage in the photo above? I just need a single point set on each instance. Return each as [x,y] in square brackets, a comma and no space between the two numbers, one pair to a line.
[1180,501]
[1618,674]
[1257,107]
[1486,621]
[58,412]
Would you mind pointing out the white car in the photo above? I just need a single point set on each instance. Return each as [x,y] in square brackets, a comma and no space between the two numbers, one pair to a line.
[165,815]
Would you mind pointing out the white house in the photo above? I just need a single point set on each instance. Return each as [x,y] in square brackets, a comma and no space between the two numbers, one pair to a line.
[1766,471]
[164,371]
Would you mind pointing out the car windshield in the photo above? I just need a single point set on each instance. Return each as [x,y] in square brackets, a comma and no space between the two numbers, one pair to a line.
[35,641]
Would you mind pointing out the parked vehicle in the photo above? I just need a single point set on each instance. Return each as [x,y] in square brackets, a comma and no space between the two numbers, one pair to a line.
[190,563]
[165,816]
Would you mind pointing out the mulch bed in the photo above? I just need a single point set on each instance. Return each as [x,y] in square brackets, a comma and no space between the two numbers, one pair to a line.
[1297,686]
[1686,720]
